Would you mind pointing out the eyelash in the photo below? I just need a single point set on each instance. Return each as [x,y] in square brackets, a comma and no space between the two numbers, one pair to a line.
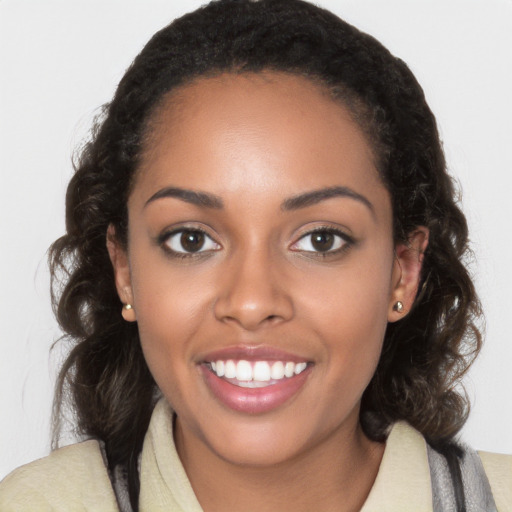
[345,240]
[163,240]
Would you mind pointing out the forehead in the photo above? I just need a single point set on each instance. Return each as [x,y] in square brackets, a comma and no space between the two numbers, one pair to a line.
[241,132]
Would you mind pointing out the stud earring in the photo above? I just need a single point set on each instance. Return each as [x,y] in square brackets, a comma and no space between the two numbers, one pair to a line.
[128,313]
[398,306]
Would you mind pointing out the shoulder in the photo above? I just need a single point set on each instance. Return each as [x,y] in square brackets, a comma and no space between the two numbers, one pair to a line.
[498,468]
[70,478]
[412,476]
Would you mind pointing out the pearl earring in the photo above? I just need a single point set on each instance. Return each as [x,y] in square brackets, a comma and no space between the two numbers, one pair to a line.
[398,306]
[128,313]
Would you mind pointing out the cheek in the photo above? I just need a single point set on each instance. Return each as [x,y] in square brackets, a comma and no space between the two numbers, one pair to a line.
[349,308]
[171,307]
[168,323]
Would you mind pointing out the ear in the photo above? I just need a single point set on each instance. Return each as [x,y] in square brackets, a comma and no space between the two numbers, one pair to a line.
[120,263]
[407,272]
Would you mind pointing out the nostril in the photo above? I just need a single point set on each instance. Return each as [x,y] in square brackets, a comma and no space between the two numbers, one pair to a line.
[252,300]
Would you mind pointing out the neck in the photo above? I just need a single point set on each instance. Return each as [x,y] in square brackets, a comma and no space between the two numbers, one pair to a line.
[335,475]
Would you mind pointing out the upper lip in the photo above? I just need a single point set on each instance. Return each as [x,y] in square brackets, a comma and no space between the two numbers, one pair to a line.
[252,353]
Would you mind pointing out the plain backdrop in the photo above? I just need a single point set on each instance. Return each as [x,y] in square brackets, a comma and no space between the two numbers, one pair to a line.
[60,60]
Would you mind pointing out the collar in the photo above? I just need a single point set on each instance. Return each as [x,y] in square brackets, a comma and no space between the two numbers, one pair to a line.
[403,481]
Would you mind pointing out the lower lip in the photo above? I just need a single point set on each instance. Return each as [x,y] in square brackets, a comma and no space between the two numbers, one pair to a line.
[254,400]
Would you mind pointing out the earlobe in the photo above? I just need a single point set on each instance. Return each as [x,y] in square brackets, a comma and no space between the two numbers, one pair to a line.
[120,264]
[407,273]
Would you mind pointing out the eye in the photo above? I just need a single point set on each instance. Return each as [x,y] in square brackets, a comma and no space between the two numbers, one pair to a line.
[322,241]
[189,241]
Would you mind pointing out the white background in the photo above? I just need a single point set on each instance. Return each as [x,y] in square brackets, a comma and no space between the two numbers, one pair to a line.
[60,60]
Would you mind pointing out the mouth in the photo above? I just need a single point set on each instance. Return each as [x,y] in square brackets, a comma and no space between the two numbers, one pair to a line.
[257,383]
[255,374]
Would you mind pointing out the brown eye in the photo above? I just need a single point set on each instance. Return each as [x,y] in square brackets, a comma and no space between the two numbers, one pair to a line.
[189,241]
[322,241]
[192,241]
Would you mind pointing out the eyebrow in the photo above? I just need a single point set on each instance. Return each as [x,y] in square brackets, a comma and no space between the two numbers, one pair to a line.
[304,200]
[316,196]
[201,199]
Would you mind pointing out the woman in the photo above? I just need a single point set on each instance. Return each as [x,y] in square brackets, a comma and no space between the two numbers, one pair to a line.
[266,204]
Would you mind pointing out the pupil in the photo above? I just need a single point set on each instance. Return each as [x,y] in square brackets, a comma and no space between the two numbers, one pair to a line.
[192,241]
[322,241]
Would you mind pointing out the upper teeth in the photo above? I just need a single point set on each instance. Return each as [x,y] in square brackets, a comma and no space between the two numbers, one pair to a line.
[262,371]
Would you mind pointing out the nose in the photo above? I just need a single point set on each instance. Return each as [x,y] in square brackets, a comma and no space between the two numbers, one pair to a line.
[253,292]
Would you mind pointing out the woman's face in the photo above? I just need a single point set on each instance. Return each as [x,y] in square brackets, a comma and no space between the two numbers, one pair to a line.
[260,265]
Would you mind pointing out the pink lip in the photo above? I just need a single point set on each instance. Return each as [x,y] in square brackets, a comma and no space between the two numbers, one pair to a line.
[253,400]
[252,353]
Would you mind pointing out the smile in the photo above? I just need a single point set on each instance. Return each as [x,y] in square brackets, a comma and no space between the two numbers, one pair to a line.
[254,380]
[256,374]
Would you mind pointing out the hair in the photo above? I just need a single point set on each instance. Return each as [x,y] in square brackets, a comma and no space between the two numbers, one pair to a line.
[105,377]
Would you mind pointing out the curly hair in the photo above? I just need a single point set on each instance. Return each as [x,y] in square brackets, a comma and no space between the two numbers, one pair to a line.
[105,376]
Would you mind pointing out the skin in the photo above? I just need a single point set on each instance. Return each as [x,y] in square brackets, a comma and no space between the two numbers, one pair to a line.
[254,142]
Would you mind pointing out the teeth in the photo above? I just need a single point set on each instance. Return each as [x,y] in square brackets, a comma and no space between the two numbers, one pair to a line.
[289,370]
[230,370]
[277,371]
[299,368]
[252,384]
[219,368]
[261,371]
[243,370]
[257,373]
